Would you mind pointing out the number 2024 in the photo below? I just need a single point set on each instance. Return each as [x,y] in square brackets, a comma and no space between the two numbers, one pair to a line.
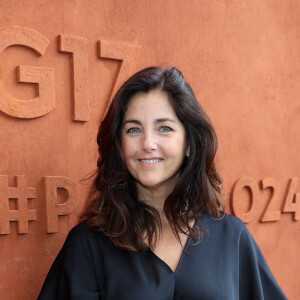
[290,204]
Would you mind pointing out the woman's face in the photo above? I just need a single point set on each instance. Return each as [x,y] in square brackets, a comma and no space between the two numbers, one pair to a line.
[153,140]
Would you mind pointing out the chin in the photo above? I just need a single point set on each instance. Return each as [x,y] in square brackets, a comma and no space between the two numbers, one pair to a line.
[149,183]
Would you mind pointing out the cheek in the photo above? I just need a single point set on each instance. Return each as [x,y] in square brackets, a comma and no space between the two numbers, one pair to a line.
[175,148]
[128,148]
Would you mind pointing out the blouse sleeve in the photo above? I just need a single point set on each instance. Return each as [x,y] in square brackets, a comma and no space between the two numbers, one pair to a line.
[72,275]
[256,280]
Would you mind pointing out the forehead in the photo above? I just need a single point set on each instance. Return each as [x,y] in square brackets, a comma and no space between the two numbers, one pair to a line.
[152,104]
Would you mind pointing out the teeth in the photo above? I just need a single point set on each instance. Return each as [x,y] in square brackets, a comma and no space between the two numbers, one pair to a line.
[150,161]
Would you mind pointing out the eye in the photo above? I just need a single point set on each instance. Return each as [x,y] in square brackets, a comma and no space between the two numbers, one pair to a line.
[133,130]
[165,129]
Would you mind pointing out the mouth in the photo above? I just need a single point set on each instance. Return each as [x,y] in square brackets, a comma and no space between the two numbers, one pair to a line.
[151,161]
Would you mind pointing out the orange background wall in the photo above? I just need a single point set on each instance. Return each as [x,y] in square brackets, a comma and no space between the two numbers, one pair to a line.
[242,59]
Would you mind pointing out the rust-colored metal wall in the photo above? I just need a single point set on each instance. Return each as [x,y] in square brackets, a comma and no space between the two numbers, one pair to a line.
[60,62]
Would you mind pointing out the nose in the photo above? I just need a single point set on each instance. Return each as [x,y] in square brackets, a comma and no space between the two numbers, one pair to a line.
[149,144]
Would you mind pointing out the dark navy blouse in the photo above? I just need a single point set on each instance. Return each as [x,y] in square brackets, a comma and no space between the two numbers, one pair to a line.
[225,264]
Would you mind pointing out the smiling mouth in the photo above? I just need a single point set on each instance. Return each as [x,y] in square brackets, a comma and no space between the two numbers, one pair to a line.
[150,161]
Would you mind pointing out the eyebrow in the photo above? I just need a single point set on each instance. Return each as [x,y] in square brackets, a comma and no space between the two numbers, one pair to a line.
[159,120]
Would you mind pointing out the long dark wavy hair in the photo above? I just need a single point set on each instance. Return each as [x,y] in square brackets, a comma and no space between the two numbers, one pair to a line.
[114,208]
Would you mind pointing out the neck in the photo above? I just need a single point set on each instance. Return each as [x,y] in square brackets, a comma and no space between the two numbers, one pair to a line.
[155,197]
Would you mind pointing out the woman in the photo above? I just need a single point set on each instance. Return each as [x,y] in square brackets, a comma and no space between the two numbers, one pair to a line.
[156,227]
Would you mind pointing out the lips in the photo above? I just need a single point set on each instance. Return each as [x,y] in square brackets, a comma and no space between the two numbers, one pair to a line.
[150,161]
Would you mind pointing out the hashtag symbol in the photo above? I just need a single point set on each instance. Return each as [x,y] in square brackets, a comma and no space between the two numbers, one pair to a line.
[21,214]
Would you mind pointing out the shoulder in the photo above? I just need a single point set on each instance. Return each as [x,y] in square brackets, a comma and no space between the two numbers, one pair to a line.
[73,273]
[78,233]
[80,237]
[230,236]
[228,230]
[226,223]
[79,230]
